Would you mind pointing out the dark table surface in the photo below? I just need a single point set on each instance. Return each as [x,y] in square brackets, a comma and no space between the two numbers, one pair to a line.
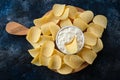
[15,60]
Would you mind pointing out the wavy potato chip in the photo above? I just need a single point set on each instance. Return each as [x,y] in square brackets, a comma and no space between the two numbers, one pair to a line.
[72,12]
[54,28]
[100,20]
[45,29]
[80,23]
[65,69]
[75,61]
[47,48]
[95,29]
[58,53]
[45,19]
[34,52]
[44,60]
[84,65]
[66,22]
[35,61]
[58,9]
[88,55]
[87,16]
[33,34]
[65,14]
[90,39]
[72,47]
[99,46]
[55,62]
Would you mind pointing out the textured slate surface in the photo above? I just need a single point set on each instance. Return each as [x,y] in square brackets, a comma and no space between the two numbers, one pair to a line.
[15,60]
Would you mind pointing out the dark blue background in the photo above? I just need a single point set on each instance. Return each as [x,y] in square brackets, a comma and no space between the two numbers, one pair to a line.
[15,60]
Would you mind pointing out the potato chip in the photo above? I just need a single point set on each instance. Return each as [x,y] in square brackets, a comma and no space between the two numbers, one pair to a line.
[58,9]
[65,14]
[58,53]
[87,46]
[34,52]
[65,69]
[88,55]
[45,29]
[72,12]
[35,61]
[44,60]
[90,39]
[75,61]
[84,65]
[34,34]
[80,23]
[72,47]
[55,62]
[95,29]
[87,16]
[45,19]
[100,20]
[53,29]
[98,47]
[66,22]
[47,48]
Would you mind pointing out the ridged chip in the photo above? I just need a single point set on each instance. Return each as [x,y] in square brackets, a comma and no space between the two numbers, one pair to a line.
[58,9]
[47,48]
[99,46]
[65,69]
[100,20]
[55,62]
[90,39]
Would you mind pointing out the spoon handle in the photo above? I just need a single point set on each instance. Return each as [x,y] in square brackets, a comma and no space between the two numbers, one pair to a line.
[16,28]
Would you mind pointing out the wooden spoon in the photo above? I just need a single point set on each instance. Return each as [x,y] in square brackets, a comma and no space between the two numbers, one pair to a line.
[16,28]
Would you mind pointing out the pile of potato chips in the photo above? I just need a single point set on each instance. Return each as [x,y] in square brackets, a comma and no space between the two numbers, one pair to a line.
[42,37]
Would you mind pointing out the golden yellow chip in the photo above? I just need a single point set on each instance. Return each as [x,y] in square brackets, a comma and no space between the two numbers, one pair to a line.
[88,55]
[75,61]
[84,65]
[53,29]
[34,34]
[72,47]
[44,60]
[58,9]
[35,61]
[45,29]
[58,53]
[34,52]
[46,18]
[55,62]
[65,14]
[66,22]
[80,23]
[87,16]
[65,69]
[95,29]
[98,47]
[72,12]
[47,48]
[87,46]
[90,39]
[100,20]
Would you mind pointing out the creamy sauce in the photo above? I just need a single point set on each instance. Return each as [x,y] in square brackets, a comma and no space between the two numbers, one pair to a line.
[66,35]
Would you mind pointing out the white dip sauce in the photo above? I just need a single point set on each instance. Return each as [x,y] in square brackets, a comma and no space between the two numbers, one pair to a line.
[66,35]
